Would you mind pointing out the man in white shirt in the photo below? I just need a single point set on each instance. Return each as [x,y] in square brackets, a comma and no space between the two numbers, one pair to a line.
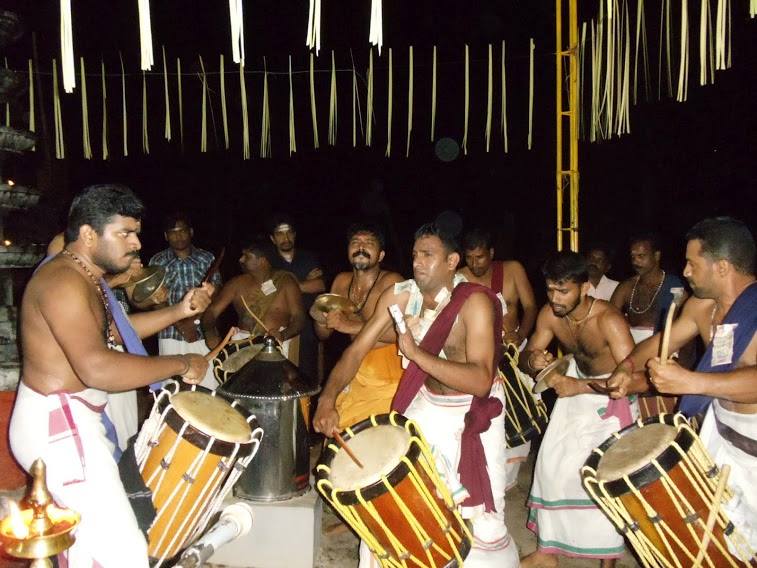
[599,262]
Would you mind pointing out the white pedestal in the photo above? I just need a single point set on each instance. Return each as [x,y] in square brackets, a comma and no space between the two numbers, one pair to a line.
[284,535]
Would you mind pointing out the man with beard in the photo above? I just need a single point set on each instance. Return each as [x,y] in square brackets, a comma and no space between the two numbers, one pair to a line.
[272,295]
[598,263]
[564,517]
[186,266]
[70,322]
[506,278]
[373,386]
[509,281]
[720,268]
[306,268]
[645,300]
[451,345]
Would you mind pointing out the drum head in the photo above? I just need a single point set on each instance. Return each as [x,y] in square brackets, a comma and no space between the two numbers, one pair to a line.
[557,366]
[212,415]
[634,450]
[379,449]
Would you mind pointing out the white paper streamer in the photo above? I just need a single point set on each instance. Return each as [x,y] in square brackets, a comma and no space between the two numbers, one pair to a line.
[489,95]
[332,103]
[123,105]
[313,39]
[292,134]
[145,136]
[313,113]
[181,103]
[32,125]
[145,35]
[753,8]
[433,95]
[167,100]
[641,38]
[105,111]
[265,128]
[236,17]
[467,99]
[67,47]
[376,33]
[369,103]
[60,149]
[224,115]
[204,117]
[503,122]
[84,112]
[245,116]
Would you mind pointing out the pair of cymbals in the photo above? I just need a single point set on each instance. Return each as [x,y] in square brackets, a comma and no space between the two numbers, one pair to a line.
[326,303]
[556,367]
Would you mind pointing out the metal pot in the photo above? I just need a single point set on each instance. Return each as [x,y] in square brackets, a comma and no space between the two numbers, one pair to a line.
[272,388]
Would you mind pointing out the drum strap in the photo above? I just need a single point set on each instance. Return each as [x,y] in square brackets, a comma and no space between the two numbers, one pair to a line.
[744,443]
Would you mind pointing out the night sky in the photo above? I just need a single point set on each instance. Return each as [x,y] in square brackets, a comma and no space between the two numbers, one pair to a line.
[681,162]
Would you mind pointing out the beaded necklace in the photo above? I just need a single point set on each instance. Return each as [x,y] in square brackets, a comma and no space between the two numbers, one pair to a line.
[110,339]
[651,302]
[361,305]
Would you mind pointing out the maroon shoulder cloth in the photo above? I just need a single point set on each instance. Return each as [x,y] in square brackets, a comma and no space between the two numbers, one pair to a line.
[472,467]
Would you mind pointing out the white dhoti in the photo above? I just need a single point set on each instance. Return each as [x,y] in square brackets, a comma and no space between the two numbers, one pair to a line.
[742,508]
[440,419]
[176,347]
[564,517]
[67,432]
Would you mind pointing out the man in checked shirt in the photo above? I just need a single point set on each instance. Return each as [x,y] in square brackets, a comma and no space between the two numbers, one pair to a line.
[186,267]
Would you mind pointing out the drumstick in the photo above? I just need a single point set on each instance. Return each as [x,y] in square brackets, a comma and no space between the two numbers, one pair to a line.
[343,445]
[213,354]
[666,334]
[254,316]
[725,470]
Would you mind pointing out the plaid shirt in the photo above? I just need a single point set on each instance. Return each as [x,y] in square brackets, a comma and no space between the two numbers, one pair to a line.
[184,274]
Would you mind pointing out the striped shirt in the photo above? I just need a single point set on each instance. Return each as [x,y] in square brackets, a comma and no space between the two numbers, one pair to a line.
[183,274]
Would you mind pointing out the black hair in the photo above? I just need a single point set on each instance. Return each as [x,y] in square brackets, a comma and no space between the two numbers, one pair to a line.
[601,246]
[279,219]
[262,248]
[433,230]
[170,220]
[96,205]
[477,238]
[565,265]
[726,238]
[369,228]
[652,238]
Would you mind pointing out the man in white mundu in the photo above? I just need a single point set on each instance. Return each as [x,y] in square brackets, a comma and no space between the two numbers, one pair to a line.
[564,517]
[450,374]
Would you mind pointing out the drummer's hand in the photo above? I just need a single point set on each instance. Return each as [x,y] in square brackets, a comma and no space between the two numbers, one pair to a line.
[565,386]
[198,365]
[336,320]
[326,419]
[511,336]
[197,300]
[671,378]
[407,344]
[315,273]
[537,360]
[117,280]
[619,381]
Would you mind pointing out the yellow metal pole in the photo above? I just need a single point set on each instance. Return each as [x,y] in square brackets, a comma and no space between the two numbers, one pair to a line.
[558,124]
[573,86]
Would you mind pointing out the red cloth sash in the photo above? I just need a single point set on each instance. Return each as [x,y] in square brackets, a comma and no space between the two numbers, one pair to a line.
[498,276]
[472,467]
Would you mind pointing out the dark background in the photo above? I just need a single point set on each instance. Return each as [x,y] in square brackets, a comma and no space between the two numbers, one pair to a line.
[681,162]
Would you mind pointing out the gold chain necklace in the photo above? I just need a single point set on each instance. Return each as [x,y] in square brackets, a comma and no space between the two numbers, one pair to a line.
[577,323]
[110,339]
[639,311]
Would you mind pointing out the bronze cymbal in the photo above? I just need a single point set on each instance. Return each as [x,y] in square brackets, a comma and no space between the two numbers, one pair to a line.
[558,366]
[326,303]
[145,287]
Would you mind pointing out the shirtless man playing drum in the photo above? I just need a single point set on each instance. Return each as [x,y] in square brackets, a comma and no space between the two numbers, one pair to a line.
[272,295]
[511,281]
[566,520]
[373,387]
[462,369]
[720,268]
[68,329]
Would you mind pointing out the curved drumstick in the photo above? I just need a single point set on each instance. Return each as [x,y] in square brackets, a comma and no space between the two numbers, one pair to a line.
[213,354]
[724,472]
[257,319]
[666,334]
[343,445]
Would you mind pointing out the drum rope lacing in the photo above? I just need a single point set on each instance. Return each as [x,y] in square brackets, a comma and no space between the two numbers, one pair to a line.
[639,311]
[110,338]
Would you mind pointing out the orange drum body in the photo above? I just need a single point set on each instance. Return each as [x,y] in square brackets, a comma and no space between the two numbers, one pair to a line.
[655,480]
[190,452]
[396,503]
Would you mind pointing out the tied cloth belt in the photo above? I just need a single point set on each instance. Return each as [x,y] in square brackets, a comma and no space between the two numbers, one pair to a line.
[744,443]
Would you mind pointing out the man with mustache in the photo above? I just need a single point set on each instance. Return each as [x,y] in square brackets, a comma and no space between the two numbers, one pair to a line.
[564,517]
[70,324]
[186,266]
[598,263]
[449,387]
[373,386]
[720,268]
[273,296]
[306,268]
[645,300]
